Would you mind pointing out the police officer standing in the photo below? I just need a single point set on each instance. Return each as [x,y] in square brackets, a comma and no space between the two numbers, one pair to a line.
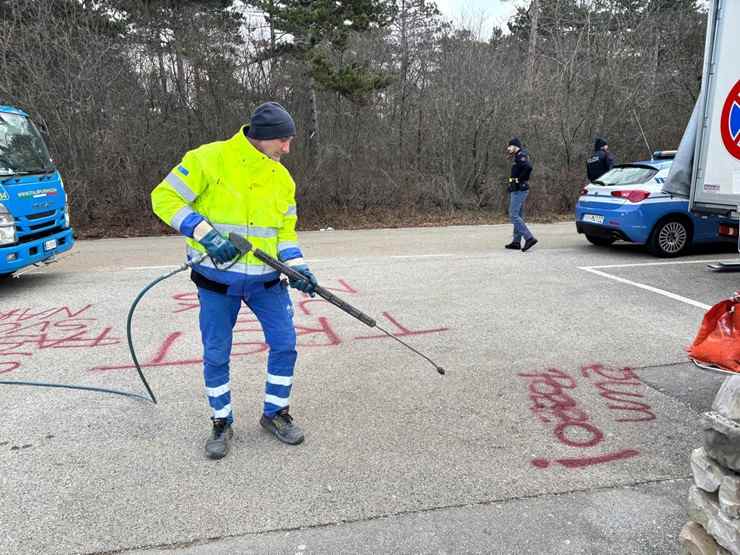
[601,160]
[239,185]
[518,191]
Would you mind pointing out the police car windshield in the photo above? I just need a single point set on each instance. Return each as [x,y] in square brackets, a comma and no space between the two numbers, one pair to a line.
[22,150]
[627,175]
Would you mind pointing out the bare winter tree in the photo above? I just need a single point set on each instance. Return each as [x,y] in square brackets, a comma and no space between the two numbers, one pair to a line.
[413,114]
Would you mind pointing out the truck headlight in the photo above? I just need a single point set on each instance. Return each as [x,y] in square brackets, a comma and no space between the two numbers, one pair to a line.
[66,215]
[7,227]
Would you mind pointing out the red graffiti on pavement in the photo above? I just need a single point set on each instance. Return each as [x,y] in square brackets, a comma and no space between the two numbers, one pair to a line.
[551,404]
[609,389]
[24,332]
[9,366]
[166,354]
[312,331]
[400,330]
[186,301]
[588,461]
[551,392]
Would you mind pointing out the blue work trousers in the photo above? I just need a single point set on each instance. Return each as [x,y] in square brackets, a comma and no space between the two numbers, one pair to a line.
[218,314]
[516,215]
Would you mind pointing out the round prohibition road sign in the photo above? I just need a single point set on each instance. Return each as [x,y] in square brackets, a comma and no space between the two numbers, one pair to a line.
[730,122]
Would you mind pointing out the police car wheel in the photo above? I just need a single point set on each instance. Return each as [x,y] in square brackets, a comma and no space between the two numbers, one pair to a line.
[600,241]
[670,238]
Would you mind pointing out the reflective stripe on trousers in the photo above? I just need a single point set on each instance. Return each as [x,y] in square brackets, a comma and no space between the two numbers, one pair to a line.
[218,314]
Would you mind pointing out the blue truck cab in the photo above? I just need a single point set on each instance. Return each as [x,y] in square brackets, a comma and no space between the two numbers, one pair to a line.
[34,215]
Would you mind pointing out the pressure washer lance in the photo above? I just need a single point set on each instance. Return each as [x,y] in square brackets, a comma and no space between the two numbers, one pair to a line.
[245,246]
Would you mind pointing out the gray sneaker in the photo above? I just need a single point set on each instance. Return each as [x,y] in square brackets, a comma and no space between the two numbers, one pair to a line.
[217,445]
[282,427]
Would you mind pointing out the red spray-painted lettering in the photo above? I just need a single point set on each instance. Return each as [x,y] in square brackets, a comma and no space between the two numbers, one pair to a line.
[609,388]
[312,331]
[552,403]
[25,332]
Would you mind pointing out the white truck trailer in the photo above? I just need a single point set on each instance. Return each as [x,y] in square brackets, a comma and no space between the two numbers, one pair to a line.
[707,166]
[715,178]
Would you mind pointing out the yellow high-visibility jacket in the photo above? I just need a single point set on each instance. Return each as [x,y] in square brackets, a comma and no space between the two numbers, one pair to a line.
[235,187]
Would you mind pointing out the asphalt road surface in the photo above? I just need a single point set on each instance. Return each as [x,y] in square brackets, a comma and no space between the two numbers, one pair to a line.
[564,423]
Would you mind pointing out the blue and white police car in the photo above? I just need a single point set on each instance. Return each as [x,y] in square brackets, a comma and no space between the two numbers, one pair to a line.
[627,203]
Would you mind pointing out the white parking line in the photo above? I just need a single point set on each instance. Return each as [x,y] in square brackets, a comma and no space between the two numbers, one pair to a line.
[137,268]
[422,255]
[657,263]
[674,296]
[312,261]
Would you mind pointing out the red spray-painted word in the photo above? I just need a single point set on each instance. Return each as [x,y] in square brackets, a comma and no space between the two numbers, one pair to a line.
[24,332]
[553,404]
[588,461]
[621,386]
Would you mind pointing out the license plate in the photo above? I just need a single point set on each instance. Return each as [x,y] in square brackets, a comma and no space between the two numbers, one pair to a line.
[595,218]
[50,245]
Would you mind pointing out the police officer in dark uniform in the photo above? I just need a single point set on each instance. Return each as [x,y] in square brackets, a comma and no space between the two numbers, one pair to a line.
[518,191]
[600,162]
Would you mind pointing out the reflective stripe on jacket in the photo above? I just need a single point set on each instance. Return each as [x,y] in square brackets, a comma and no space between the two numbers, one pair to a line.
[236,188]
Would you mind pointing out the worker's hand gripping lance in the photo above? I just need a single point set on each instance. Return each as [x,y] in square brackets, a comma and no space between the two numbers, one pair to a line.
[245,246]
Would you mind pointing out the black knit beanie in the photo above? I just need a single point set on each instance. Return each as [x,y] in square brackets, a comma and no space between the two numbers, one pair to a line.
[270,121]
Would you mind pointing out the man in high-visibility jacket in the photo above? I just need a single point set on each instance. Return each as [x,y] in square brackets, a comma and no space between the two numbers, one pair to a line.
[239,185]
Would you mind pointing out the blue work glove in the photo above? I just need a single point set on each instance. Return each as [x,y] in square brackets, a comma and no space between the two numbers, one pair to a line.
[219,248]
[309,284]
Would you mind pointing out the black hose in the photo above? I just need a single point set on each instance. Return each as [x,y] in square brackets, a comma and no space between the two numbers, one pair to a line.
[82,387]
[129,319]
[143,292]
[197,260]
[151,398]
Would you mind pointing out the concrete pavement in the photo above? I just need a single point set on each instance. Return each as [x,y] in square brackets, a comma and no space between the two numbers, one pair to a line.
[564,423]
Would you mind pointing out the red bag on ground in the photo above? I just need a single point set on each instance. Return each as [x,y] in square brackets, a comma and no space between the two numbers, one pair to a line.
[718,340]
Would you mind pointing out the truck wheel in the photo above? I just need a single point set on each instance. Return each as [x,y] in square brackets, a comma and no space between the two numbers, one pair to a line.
[670,238]
[3,276]
[600,241]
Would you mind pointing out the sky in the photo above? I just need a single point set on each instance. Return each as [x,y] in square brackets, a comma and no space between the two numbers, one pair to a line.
[479,15]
